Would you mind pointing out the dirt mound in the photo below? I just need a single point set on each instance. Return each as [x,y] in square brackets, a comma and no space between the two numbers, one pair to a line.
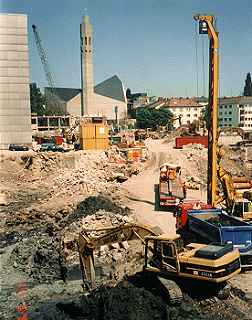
[124,302]
[40,258]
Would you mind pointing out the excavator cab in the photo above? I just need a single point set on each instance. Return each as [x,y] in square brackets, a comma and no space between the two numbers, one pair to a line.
[165,250]
[242,208]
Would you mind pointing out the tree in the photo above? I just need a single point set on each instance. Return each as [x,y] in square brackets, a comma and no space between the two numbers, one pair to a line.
[204,116]
[152,118]
[248,86]
[37,100]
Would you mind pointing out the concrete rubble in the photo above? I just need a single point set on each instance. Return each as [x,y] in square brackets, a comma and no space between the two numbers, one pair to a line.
[46,200]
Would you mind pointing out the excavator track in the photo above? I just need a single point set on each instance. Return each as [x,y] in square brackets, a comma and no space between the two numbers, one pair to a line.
[172,289]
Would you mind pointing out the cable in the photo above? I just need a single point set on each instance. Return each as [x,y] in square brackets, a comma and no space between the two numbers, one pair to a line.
[197,60]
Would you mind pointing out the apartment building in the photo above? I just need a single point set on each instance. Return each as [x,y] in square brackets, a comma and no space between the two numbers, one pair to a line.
[188,108]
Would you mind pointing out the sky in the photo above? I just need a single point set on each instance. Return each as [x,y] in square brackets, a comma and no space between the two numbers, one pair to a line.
[150,44]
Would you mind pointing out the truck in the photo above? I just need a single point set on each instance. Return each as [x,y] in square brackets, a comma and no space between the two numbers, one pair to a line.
[215,226]
[171,189]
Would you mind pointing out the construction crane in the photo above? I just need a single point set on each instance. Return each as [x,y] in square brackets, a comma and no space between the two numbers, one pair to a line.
[44,60]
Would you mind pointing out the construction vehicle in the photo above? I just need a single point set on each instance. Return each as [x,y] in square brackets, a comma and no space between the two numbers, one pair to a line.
[171,189]
[212,225]
[165,258]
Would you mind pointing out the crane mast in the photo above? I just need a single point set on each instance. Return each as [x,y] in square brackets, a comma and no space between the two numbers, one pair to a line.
[206,26]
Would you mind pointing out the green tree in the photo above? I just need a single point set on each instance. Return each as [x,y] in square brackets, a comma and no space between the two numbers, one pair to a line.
[152,118]
[248,86]
[37,100]
[204,116]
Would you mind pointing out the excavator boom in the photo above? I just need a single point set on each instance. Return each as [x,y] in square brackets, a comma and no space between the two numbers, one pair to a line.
[87,244]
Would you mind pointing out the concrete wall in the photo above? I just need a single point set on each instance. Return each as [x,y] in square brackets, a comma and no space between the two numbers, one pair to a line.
[15,115]
[106,106]
[102,105]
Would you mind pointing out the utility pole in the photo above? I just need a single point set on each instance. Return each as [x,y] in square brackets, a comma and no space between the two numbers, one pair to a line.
[206,26]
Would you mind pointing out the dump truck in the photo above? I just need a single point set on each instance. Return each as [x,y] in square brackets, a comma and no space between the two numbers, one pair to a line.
[171,189]
[215,226]
[165,259]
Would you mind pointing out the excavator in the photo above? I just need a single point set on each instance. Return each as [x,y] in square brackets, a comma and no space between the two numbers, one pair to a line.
[166,260]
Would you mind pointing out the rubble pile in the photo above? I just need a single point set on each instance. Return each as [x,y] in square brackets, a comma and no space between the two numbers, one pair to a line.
[40,258]
[122,302]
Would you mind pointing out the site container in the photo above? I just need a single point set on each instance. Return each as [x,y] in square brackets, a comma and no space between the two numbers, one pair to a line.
[94,136]
[182,141]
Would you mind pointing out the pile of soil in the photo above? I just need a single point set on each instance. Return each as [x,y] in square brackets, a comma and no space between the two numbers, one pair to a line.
[40,258]
[124,302]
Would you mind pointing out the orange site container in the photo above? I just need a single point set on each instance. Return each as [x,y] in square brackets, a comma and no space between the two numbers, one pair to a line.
[94,136]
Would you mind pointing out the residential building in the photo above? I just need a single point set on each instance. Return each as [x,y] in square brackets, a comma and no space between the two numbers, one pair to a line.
[188,108]
[228,111]
[245,114]
[235,112]
[15,113]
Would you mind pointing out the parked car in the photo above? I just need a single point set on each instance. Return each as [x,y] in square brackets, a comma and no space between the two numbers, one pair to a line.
[51,147]
[18,147]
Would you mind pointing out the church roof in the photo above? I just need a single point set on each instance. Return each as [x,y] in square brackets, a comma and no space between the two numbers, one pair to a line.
[65,94]
[112,88]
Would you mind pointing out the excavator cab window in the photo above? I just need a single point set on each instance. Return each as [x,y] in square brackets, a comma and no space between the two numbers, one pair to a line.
[169,256]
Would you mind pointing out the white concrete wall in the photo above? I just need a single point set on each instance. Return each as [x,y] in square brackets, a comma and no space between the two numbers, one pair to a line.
[73,106]
[106,106]
[15,114]
[102,105]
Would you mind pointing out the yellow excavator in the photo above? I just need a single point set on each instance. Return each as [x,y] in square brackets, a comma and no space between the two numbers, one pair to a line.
[165,259]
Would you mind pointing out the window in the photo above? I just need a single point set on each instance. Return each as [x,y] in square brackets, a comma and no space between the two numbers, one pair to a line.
[230,119]
[220,119]
[220,113]
[195,115]
[188,115]
[230,112]
[195,109]
[230,125]
[167,250]
[225,113]
[220,107]
[230,106]
[225,119]
[85,40]
[225,107]
[33,120]
[89,40]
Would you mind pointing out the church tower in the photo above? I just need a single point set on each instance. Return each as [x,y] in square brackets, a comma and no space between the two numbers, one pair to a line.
[87,82]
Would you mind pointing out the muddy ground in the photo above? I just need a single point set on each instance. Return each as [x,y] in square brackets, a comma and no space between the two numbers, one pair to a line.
[53,196]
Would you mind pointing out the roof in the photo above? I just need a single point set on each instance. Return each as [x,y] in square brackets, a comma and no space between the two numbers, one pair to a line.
[183,102]
[65,94]
[112,88]
[235,100]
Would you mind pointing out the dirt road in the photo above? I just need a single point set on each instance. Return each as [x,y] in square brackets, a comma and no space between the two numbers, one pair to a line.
[141,188]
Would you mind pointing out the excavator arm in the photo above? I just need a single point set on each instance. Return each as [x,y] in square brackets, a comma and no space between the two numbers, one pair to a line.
[87,244]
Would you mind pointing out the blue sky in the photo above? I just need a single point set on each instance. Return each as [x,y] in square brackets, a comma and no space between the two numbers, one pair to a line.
[149,44]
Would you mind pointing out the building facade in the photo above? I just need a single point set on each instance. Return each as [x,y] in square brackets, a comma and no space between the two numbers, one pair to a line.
[228,112]
[235,112]
[15,114]
[187,108]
